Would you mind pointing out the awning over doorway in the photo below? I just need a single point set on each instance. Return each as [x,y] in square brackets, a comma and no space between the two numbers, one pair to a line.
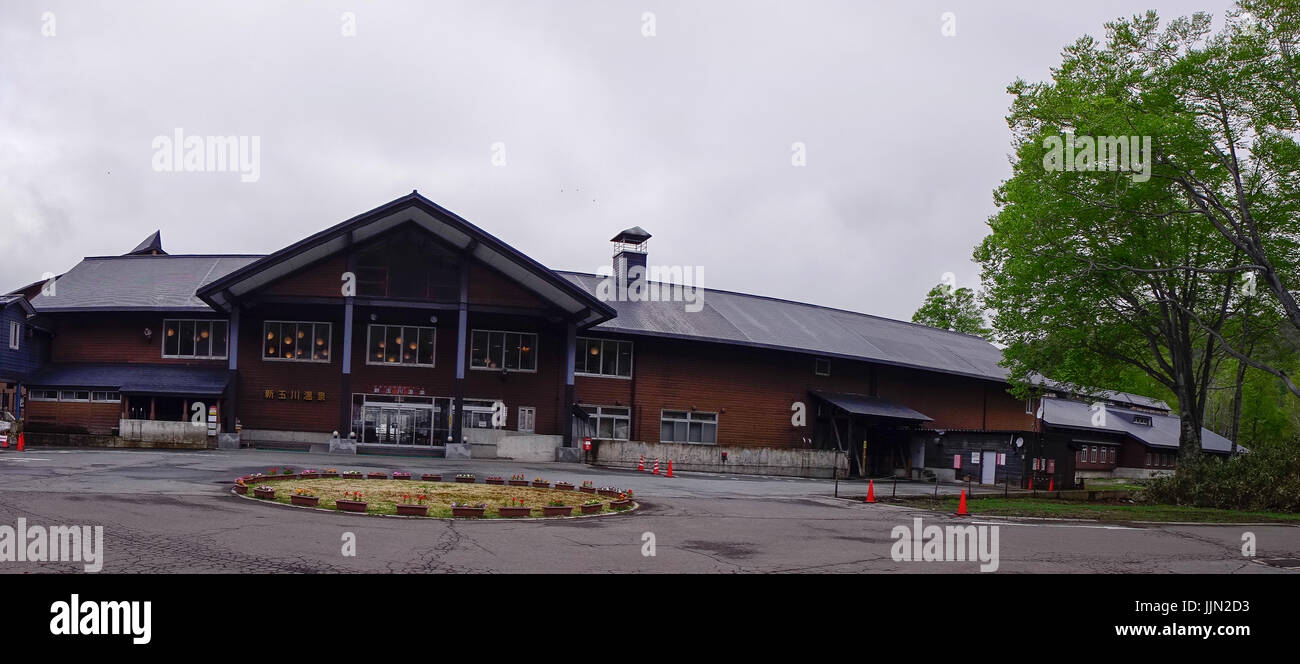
[176,380]
[861,404]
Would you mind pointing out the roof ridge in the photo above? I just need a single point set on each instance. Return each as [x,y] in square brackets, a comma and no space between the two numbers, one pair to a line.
[164,256]
[804,304]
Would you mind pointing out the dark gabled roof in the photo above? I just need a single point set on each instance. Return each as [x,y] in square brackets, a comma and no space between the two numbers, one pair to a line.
[18,300]
[443,223]
[137,283]
[151,245]
[1162,432]
[861,404]
[633,235]
[171,379]
[763,322]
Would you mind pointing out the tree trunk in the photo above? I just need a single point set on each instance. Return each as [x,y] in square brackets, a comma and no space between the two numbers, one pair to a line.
[1236,405]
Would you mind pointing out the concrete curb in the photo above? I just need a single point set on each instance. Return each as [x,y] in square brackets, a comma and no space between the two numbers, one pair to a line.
[635,506]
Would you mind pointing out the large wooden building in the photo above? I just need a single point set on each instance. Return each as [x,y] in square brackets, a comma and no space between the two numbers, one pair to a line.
[408,328]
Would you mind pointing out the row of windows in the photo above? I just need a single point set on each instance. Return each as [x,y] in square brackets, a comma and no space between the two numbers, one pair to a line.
[310,341]
[75,395]
[1162,460]
[675,426]
[1097,454]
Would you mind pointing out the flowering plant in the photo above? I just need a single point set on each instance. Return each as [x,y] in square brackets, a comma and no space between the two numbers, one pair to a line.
[352,495]
[518,477]
[494,478]
[586,483]
[330,470]
[468,476]
[517,502]
[401,474]
[306,493]
[286,471]
[264,487]
[556,502]
[539,480]
[591,502]
[477,506]
[416,499]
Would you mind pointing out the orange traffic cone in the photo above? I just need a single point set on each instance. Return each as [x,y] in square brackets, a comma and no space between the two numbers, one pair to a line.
[656,472]
[670,468]
[871,491]
[21,443]
[640,465]
[961,507]
[1051,484]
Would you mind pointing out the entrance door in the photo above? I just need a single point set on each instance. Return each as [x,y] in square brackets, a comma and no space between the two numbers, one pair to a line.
[989,468]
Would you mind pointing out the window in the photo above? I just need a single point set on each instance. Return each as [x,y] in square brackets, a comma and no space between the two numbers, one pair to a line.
[527,419]
[608,422]
[295,341]
[493,349]
[681,426]
[1142,420]
[43,395]
[194,338]
[1149,459]
[401,344]
[822,367]
[74,395]
[106,397]
[603,357]
[15,333]
[1029,407]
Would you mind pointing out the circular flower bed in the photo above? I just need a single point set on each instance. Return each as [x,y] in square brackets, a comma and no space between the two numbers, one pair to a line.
[429,499]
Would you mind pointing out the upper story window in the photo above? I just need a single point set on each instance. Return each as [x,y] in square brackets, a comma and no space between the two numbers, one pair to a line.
[401,344]
[603,357]
[15,334]
[822,366]
[195,338]
[53,395]
[685,426]
[1142,420]
[296,341]
[494,349]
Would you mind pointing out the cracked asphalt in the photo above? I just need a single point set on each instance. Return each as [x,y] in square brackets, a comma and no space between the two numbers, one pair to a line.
[172,511]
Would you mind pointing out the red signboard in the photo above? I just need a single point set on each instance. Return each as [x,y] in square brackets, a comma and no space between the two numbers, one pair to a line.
[586,444]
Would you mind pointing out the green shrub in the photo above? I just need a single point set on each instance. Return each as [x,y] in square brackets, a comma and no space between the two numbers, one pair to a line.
[1267,479]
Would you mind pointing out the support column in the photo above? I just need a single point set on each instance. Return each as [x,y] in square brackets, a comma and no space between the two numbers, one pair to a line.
[232,370]
[570,358]
[345,380]
[462,322]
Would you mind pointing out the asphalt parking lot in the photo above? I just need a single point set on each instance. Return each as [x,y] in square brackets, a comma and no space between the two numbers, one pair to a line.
[165,511]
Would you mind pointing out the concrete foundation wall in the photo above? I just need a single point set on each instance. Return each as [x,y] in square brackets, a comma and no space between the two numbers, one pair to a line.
[1140,473]
[708,458]
[254,436]
[98,440]
[183,434]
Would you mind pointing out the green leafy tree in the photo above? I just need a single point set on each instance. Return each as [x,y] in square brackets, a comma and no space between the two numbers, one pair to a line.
[1102,258]
[956,309]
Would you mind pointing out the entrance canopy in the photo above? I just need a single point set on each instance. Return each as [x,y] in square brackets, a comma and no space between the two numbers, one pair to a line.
[161,379]
[861,404]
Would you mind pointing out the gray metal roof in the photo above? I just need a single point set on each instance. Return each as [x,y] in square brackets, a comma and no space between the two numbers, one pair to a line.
[137,283]
[150,245]
[861,404]
[1163,432]
[757,321]
[177,379]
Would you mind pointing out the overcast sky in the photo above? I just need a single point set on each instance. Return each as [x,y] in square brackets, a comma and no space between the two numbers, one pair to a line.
[687,133]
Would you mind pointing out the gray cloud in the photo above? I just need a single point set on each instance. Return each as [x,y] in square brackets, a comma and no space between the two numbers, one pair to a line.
[687,133]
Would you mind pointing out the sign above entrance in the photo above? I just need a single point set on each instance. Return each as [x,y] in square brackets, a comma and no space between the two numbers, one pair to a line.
[405,390]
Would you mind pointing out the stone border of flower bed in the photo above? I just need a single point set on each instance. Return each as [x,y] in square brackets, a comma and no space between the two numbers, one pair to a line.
[575,512]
